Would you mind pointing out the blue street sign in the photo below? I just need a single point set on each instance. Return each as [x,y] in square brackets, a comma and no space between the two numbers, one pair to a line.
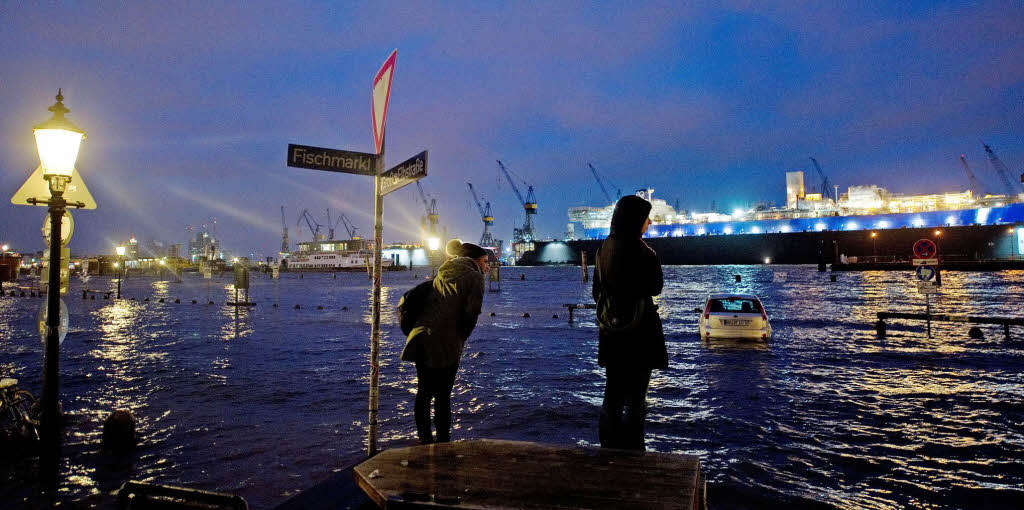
[926,273]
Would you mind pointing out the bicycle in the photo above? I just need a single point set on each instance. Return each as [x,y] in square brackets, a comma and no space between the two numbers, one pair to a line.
[17,407]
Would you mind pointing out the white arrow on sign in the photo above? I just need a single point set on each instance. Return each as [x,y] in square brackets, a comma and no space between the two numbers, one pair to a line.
[381,95]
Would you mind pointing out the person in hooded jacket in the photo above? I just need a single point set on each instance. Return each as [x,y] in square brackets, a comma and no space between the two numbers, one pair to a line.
[629,271]
[437,339]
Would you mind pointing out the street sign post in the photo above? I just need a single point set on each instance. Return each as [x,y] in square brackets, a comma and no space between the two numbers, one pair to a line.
[35,190]
[925,256]
[407,172]
[334,160]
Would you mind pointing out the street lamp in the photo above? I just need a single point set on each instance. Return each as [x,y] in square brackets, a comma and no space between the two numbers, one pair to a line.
[120,272]
[57,141]
[873,236]
[433,243]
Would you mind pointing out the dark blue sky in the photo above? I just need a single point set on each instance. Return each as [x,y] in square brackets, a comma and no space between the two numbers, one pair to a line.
[189,109]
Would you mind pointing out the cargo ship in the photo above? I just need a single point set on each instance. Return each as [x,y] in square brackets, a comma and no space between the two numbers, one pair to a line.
[865,223]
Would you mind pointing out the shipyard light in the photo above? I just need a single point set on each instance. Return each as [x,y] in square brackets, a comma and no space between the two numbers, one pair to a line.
[883,224]
[918,222]
[950,220]
[819,226]
[727,230]
[58,141]
[737,213]
[5,248]
[433,243]
[851,225]
[120,251]
[938,232]
[767,260]
[785,229]
[755,230]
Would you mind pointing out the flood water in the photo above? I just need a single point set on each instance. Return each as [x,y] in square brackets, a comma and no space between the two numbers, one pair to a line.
[268,402]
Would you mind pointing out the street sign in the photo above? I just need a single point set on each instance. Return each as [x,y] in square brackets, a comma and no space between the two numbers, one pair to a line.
[65,272]
[926,273]
[331,160]
[36,187]
[381,96]
[926,262]
[207,272]
[925,249]
[407,172]
[67,227]
[62,326]
[928,287]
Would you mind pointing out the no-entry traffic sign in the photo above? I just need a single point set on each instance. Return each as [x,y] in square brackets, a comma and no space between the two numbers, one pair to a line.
[925,249]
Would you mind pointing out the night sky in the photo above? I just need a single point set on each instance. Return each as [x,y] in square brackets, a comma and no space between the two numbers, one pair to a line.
[189,109]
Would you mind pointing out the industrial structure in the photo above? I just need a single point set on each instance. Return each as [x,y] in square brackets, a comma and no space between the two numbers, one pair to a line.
[430,218]
[486,240]
[522,238]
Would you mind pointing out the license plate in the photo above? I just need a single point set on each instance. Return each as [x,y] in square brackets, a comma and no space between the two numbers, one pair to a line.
[735,322]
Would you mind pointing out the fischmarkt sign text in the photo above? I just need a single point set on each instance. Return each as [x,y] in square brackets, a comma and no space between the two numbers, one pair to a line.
[409,171]
[332,160]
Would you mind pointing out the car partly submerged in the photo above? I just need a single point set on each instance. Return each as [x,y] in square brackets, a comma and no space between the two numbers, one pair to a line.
[734,316]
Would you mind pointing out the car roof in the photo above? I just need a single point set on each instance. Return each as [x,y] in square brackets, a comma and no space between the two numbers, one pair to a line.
[735,296]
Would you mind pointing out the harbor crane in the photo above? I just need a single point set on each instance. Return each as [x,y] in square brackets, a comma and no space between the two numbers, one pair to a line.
[975,186]
[604,190]
[349,227]
[525,234]
[430,208]
[314,227]
[826,185]
[284,235]
[1004,173]
[485,214]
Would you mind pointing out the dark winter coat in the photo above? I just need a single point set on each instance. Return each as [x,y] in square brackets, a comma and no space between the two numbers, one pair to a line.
[626,266]
[448,316]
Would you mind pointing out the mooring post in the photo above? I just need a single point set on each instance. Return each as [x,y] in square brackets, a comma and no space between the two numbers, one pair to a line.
[583,264]
[1006,330]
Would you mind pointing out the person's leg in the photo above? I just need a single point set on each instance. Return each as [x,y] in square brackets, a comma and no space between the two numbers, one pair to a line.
[609,427]
[635,409]
[443,403]
[422,408]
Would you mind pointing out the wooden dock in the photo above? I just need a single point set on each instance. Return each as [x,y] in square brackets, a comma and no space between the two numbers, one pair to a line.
[493,474]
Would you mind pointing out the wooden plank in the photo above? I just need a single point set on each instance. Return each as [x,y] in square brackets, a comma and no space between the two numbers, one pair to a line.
[494,474]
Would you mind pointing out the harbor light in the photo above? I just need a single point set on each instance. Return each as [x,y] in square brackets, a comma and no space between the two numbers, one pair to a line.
[819,226]
[874,235]
[433,243]
[727,230]
[116,265]
[938,232]
[767,260]
[755,230]
[58,141]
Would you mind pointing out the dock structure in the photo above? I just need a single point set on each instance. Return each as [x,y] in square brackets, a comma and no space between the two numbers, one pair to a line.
[1005,322]
[495,474]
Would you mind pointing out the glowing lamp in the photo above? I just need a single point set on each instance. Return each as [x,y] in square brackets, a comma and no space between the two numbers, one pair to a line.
[874,234]
[433,243]
[120,251]
[57,141]
[5,247]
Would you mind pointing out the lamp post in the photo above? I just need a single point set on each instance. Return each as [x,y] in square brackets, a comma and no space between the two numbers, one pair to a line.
[874,235]
[120,268]
[57,141]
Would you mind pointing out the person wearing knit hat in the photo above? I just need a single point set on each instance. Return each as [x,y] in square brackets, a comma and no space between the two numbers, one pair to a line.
[439,335]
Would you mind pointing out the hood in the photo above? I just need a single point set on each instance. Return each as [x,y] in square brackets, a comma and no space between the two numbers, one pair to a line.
[628,218]
[457,267]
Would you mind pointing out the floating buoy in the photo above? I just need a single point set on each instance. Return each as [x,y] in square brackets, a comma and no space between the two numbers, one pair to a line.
[320,307]
[492,314]
[119,431]
[177,300]
[526,315]
[297,307]
[975,333]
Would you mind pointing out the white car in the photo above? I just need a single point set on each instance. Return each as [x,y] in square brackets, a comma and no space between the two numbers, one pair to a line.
[734,316]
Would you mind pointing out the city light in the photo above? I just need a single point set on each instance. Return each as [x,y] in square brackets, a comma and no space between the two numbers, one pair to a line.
[819,226]
[755,230]
[700,231]
[727,230]
[120,251]
[883,224]
[737,213]
[917,222]
[951,220]
[5,248]
[874,234]
[851,225]
[938,232]
[785,229]
[767,260]
[433,243]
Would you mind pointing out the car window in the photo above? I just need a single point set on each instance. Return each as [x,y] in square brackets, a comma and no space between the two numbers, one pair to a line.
[735,305]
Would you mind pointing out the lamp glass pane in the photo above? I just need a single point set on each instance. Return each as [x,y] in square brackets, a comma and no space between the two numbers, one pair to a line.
[58,150]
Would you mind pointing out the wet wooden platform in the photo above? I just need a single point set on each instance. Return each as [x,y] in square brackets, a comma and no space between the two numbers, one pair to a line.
[493,474]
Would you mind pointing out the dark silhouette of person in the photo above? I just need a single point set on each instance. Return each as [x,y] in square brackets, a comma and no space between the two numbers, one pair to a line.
[628,270]
[437,340]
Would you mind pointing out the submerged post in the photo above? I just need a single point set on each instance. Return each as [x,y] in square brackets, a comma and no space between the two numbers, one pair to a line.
[378,234]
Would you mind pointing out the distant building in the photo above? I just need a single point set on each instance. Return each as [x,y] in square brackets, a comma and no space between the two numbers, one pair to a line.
[174,251]
[794,188]
[131,251]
